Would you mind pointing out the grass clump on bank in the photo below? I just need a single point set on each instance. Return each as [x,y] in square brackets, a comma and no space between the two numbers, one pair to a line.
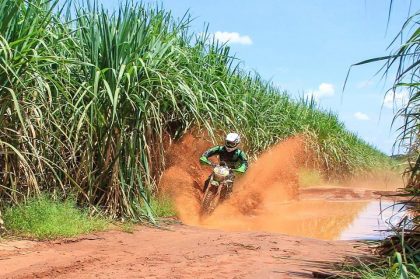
[393,268]
[44,218]
[88,95]
[163,206]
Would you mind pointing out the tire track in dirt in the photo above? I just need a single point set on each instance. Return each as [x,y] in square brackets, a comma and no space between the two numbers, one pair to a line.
[180,252]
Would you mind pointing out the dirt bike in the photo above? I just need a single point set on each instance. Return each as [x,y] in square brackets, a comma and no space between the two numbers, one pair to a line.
[217,189]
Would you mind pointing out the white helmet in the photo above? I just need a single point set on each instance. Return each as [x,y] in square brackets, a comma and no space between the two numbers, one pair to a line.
[232,141]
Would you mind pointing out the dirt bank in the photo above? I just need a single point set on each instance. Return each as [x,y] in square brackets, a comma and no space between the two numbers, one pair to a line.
[181,252]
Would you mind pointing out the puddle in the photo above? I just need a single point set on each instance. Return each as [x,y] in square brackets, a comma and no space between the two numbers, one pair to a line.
[373,221]
[321,219]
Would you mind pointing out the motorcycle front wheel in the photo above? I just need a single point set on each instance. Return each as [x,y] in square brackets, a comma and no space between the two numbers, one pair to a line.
[210,201]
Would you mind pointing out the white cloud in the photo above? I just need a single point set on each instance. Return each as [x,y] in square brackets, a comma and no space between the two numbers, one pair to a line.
[396,100]
[361,116]
[233,38]
[324,90]
[364,84]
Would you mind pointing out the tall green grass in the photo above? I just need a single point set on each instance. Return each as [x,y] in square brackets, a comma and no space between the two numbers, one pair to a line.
[88,95]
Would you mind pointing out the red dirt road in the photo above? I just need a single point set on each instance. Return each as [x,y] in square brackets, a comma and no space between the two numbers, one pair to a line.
[179,252]
[182,251]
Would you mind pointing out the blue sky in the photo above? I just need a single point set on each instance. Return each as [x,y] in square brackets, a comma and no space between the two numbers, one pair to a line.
[306,48]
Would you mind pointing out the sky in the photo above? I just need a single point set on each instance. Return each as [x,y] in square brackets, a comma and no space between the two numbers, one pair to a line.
[306,47]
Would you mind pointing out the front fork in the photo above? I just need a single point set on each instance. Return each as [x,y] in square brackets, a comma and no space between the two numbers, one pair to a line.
[213,183]
[227,184]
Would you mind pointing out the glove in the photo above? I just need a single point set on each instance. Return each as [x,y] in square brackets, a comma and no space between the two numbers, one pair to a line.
[204,160]
[240,170]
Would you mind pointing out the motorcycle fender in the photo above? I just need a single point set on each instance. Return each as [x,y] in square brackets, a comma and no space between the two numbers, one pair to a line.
[214,183]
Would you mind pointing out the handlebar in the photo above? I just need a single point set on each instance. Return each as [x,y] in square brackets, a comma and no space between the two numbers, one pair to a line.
[213,165]
[221,164]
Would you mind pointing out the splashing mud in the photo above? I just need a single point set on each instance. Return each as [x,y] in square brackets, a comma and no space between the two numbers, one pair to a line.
[273,177]
[266,198]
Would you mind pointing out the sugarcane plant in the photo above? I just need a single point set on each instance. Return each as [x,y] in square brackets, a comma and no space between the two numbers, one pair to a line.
[90,99]
[403,64]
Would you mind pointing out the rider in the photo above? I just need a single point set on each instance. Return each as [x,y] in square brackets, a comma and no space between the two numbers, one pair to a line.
[234,158]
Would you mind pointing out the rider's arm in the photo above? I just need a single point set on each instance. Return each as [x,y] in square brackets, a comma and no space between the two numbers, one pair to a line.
[211,152]
[244,162]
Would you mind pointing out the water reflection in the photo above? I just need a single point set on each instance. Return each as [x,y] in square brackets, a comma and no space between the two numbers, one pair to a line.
[373,221]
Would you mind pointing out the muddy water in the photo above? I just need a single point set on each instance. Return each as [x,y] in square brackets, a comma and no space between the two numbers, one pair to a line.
[268,196]
[321,219]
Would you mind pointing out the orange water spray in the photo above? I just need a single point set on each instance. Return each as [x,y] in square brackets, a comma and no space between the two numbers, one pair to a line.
[265,198]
